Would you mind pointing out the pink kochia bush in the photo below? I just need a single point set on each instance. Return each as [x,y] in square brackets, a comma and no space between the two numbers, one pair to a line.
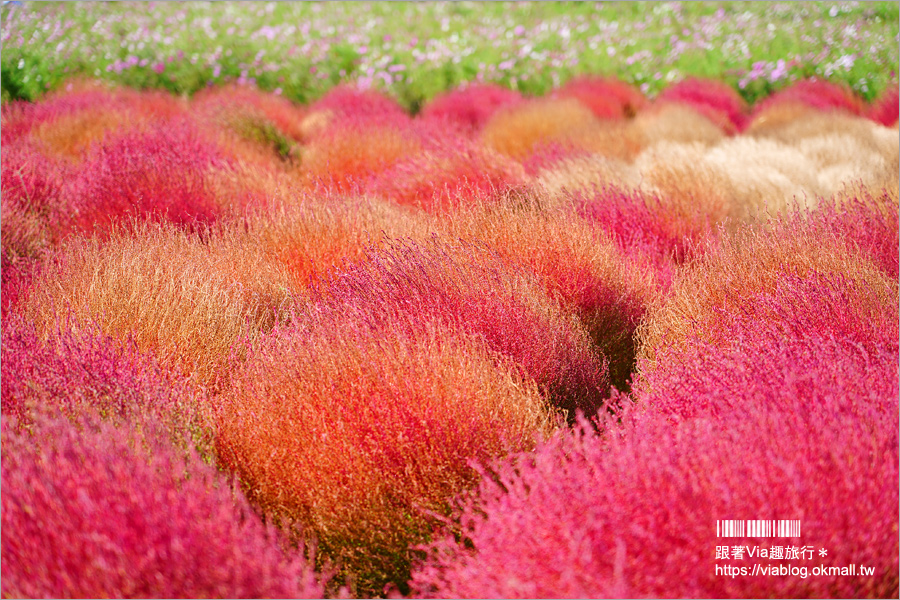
[93,511]
[634,514]
[868,220]
[713,99]
[815,93]
[791,413]
[469,108]
[34,214]
[162,175]
[85,372]
[886,110]
[448,175]
[21,119]
[606,97]
[808,334]
[644,225]
[345,100]
[798,420]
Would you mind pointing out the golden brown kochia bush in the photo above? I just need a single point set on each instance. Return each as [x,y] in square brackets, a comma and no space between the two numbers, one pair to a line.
[309,235]
[844,148]
[607,288]
[186,298]
[791,128]
[346,155]
[738,179]
[584,173]
[750,261]
[527,127]
[690,190]
[362,435]
[670,122]
[70,136]
[764,175]
[771,119]
[841,159]
[240,188]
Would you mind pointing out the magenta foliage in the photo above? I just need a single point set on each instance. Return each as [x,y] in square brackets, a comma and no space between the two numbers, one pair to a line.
[551,156]
[710,98]
[15,283]
[607,98]
[870,222]
[93,511]
[450,174]
[412,286]
[816,93]
[795,419]
[805,338]
[161,175]
[886,109]
[807,430]
[33,215]
[469,108]
[634,219]
[349,101]
[20,118]
[32,182]
[75,372]
[640,224]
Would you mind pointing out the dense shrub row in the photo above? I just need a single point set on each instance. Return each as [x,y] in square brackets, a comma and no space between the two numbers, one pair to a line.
[509,346]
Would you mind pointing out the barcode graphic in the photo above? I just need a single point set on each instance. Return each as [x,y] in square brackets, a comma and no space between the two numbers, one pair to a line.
[760,528]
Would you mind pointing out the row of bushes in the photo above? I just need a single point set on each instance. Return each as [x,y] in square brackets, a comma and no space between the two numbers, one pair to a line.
[520,347]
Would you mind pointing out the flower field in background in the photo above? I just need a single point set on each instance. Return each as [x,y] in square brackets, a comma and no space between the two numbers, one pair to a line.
[514,330]
[417,50]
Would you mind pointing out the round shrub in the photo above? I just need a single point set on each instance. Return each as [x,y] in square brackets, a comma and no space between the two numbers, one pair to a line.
[93,511]
[361,432]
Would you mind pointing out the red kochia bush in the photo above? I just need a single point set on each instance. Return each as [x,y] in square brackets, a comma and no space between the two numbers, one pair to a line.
[470,290]
[34,212]
[362,432]
[816,93]
[449,175]
[347,155]
[92,511]
[469,108]
[805,429]
[250,101]
[867,219]
[606,97]
[349,101]
[20,118]
[607,289]
[643,224]
[86,99]
[725,279]
[713,99]
[344,102]
[162,175]
[886,110]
